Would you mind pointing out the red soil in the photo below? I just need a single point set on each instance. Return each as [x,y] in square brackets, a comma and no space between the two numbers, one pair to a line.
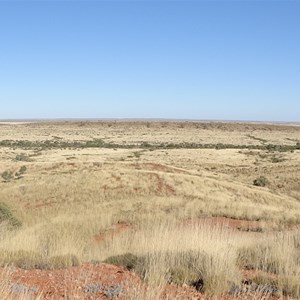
[93,281]
[228,222]
[76,282]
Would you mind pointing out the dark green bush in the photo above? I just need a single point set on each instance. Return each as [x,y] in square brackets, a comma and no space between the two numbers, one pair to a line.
[7,176]
[260,181]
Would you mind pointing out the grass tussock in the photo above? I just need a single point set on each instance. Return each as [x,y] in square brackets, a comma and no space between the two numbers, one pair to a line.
[168,253]
[278,256]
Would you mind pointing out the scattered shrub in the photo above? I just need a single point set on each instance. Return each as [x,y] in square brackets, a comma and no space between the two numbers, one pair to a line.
[7,176]
[260,181]
[276,159]
[19,174]
[23,157]
[7,215]
[98,143]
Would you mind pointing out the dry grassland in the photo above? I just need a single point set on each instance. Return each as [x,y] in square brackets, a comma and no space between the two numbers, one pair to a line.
[173,202]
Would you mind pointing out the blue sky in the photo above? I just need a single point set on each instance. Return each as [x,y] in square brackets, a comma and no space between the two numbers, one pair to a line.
[235,60]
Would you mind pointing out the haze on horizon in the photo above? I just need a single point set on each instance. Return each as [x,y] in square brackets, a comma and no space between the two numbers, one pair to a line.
[219,60]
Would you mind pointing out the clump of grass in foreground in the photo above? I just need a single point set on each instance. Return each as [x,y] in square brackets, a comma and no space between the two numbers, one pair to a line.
[199,255]
[279,256]
[61,242]
[21,259]
[208,258]
[127,260]
[63,261]
[34,260]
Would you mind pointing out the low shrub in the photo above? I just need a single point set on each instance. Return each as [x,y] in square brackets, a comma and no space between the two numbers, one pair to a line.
[7,176]
[260,181]
[21,171]
[23,157]
[6,215]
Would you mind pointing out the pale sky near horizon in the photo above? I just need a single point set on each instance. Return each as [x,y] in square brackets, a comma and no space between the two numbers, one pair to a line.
[229,60]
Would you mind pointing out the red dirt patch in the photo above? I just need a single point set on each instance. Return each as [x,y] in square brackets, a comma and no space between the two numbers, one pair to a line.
[85,282]
[237,224]
[99,281]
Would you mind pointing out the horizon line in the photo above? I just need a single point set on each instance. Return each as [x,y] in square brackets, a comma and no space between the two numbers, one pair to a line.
[4,120]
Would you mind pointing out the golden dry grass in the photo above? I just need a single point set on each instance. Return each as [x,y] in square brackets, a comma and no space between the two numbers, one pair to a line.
[68,196]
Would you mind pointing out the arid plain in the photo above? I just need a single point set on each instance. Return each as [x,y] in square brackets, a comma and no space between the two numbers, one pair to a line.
[149,210]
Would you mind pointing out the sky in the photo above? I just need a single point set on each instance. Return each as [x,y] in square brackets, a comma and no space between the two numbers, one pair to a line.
[206,60]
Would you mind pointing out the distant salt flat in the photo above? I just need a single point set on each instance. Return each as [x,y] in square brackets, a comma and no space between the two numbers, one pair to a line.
[15,123]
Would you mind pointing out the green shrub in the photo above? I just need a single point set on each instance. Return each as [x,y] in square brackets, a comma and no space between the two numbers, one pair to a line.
[260,181]
[19,174]
[276,159]
[22,157]
[7,215]
[7,176]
